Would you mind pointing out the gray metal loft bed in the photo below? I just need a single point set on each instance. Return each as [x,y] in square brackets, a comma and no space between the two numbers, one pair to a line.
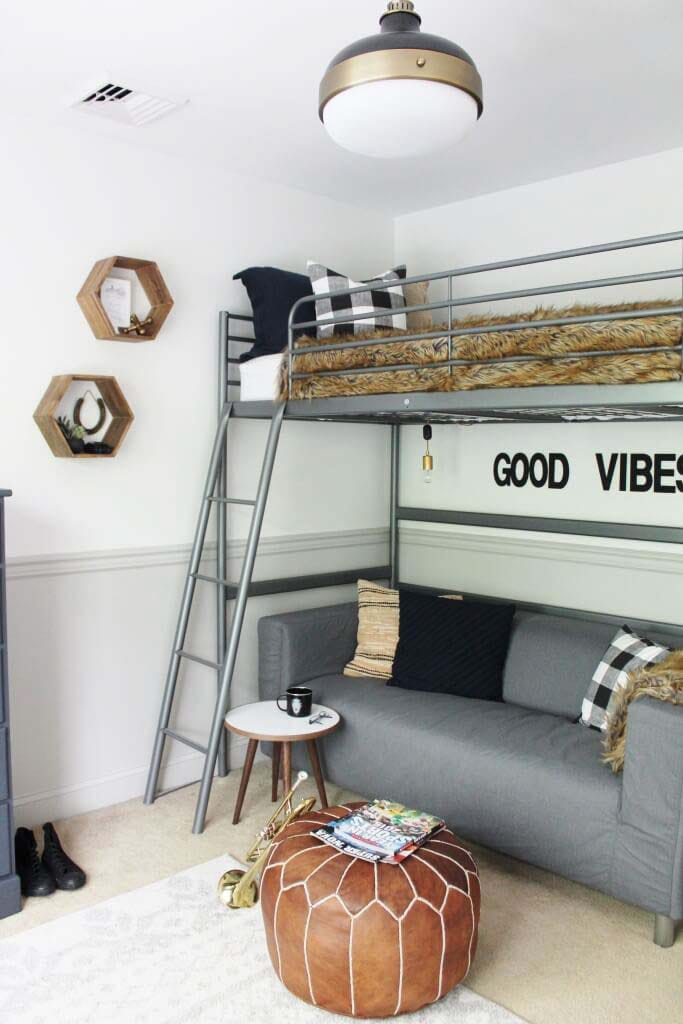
[659,401]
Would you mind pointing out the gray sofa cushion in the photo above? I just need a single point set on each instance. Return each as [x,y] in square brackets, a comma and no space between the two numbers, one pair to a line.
[524,782]
[551,660]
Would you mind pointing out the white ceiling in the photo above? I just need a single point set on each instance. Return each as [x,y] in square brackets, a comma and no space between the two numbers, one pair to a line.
[568,85]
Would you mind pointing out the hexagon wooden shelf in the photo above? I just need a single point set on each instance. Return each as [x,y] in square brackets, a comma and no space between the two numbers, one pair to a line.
[113,398]
[154,287]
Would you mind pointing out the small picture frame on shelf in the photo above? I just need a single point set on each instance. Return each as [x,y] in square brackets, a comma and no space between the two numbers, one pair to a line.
[112,290]
[115,295]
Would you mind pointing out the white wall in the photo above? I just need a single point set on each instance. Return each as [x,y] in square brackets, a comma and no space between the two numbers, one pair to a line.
[97,548]
[639,197]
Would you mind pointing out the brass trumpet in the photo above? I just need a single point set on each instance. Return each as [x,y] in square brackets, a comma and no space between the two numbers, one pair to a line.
[238,889]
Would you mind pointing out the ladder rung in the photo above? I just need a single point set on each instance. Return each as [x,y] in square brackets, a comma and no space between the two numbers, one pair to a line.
[200,661]
[212,579]
[185,740]
[233,501]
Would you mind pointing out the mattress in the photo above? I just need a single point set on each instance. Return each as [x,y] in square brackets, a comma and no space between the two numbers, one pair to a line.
[593,352]
[259,378]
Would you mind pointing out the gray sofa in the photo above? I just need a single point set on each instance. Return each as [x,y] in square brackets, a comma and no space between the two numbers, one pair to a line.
[519,776]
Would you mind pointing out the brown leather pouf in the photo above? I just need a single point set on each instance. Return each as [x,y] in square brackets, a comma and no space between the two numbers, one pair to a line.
[363,939]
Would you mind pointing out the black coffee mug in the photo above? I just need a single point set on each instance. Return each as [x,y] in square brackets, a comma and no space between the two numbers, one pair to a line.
[299,701]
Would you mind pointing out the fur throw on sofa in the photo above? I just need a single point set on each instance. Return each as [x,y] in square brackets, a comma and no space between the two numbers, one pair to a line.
[663,681]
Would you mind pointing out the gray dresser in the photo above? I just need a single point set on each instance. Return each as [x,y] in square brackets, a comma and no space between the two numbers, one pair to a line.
[10,897]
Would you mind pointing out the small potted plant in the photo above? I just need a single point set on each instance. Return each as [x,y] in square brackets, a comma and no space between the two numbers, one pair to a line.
[74,435]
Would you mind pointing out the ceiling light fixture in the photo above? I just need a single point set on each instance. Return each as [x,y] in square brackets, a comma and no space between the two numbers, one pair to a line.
[402,92]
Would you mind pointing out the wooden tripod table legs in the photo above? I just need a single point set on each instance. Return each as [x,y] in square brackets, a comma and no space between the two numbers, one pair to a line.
[277,756]
[315,764]
[282,768]
[244,782]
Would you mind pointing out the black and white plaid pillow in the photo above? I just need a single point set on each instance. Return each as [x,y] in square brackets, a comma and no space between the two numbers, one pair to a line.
[625,654]
[373,302]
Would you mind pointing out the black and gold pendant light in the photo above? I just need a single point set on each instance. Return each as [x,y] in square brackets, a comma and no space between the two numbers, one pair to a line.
[427,458]
[402,92]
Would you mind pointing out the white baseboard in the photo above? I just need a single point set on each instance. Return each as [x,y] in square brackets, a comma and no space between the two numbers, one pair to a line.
[68,801]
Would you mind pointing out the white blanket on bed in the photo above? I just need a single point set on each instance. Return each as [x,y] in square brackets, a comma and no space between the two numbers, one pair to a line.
[259,378]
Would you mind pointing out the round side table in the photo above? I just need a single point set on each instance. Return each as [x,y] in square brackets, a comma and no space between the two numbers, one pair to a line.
[264,721]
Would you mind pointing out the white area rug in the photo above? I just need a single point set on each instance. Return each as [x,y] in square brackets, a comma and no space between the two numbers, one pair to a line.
[170,954]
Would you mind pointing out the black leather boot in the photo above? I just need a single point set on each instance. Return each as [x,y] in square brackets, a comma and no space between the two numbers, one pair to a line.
[66,874]
[35,878]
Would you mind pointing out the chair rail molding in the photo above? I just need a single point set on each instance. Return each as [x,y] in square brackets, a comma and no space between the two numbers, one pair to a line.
[178,554]
[639,556]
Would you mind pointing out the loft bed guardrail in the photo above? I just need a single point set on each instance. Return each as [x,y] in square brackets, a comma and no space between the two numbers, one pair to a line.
[658,400]
[451,303]
[542,403]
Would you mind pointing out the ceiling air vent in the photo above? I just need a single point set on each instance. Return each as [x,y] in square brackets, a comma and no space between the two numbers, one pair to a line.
[129,106]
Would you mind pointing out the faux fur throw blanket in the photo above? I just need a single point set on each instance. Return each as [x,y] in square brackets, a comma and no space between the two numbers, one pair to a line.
[488,351]
[663,681]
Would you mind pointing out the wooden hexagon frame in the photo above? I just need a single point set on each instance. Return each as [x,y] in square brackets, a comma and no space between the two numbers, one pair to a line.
[112,396]
[153,284]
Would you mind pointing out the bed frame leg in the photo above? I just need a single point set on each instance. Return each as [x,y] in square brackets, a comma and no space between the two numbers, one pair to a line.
[665,930]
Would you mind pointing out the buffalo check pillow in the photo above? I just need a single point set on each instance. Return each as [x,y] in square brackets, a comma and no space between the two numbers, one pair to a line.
[625,654]
[375,303]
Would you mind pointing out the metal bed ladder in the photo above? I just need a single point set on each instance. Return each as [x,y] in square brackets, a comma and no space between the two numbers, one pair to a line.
[224,666]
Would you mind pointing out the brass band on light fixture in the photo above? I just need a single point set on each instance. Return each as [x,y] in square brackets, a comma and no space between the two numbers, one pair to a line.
[381,65]
[401,51]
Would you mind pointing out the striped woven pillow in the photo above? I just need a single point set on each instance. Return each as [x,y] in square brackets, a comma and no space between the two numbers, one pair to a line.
[377,637]
[377,632]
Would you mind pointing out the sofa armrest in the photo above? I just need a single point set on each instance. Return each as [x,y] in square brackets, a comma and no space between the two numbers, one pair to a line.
[651,833]
[298,646]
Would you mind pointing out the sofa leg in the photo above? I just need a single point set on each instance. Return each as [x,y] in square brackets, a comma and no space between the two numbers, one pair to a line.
[664,931]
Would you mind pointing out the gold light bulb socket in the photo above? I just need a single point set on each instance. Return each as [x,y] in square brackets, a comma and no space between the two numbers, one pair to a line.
[427,463]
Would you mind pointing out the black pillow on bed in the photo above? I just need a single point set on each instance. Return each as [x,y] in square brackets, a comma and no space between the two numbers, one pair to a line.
[272,293]
[456,647]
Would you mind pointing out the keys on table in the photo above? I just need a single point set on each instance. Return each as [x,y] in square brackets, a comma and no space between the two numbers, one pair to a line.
[317,719]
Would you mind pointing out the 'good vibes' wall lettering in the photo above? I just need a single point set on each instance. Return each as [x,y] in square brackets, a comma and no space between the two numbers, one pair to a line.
[639,472]
[539,470]
[634,472]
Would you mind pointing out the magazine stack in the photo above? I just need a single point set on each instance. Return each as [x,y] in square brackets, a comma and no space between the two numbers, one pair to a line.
[380,832]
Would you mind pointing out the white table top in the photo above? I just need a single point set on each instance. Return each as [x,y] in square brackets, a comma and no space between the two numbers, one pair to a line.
[265,721]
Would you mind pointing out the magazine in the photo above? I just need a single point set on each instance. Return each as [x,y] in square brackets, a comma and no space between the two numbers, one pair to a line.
[380,832]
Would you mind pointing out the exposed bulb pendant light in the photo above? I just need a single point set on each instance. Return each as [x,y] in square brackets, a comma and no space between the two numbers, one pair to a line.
[427,458]
[402,92]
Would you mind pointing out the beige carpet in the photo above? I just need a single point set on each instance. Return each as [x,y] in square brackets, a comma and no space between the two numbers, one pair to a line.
[551,951]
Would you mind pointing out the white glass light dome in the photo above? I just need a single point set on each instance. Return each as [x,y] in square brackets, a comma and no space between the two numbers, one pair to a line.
[399,117]
[401,92]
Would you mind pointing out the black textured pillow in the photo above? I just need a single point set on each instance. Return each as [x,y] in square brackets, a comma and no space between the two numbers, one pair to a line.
[272,293]
[456,647]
